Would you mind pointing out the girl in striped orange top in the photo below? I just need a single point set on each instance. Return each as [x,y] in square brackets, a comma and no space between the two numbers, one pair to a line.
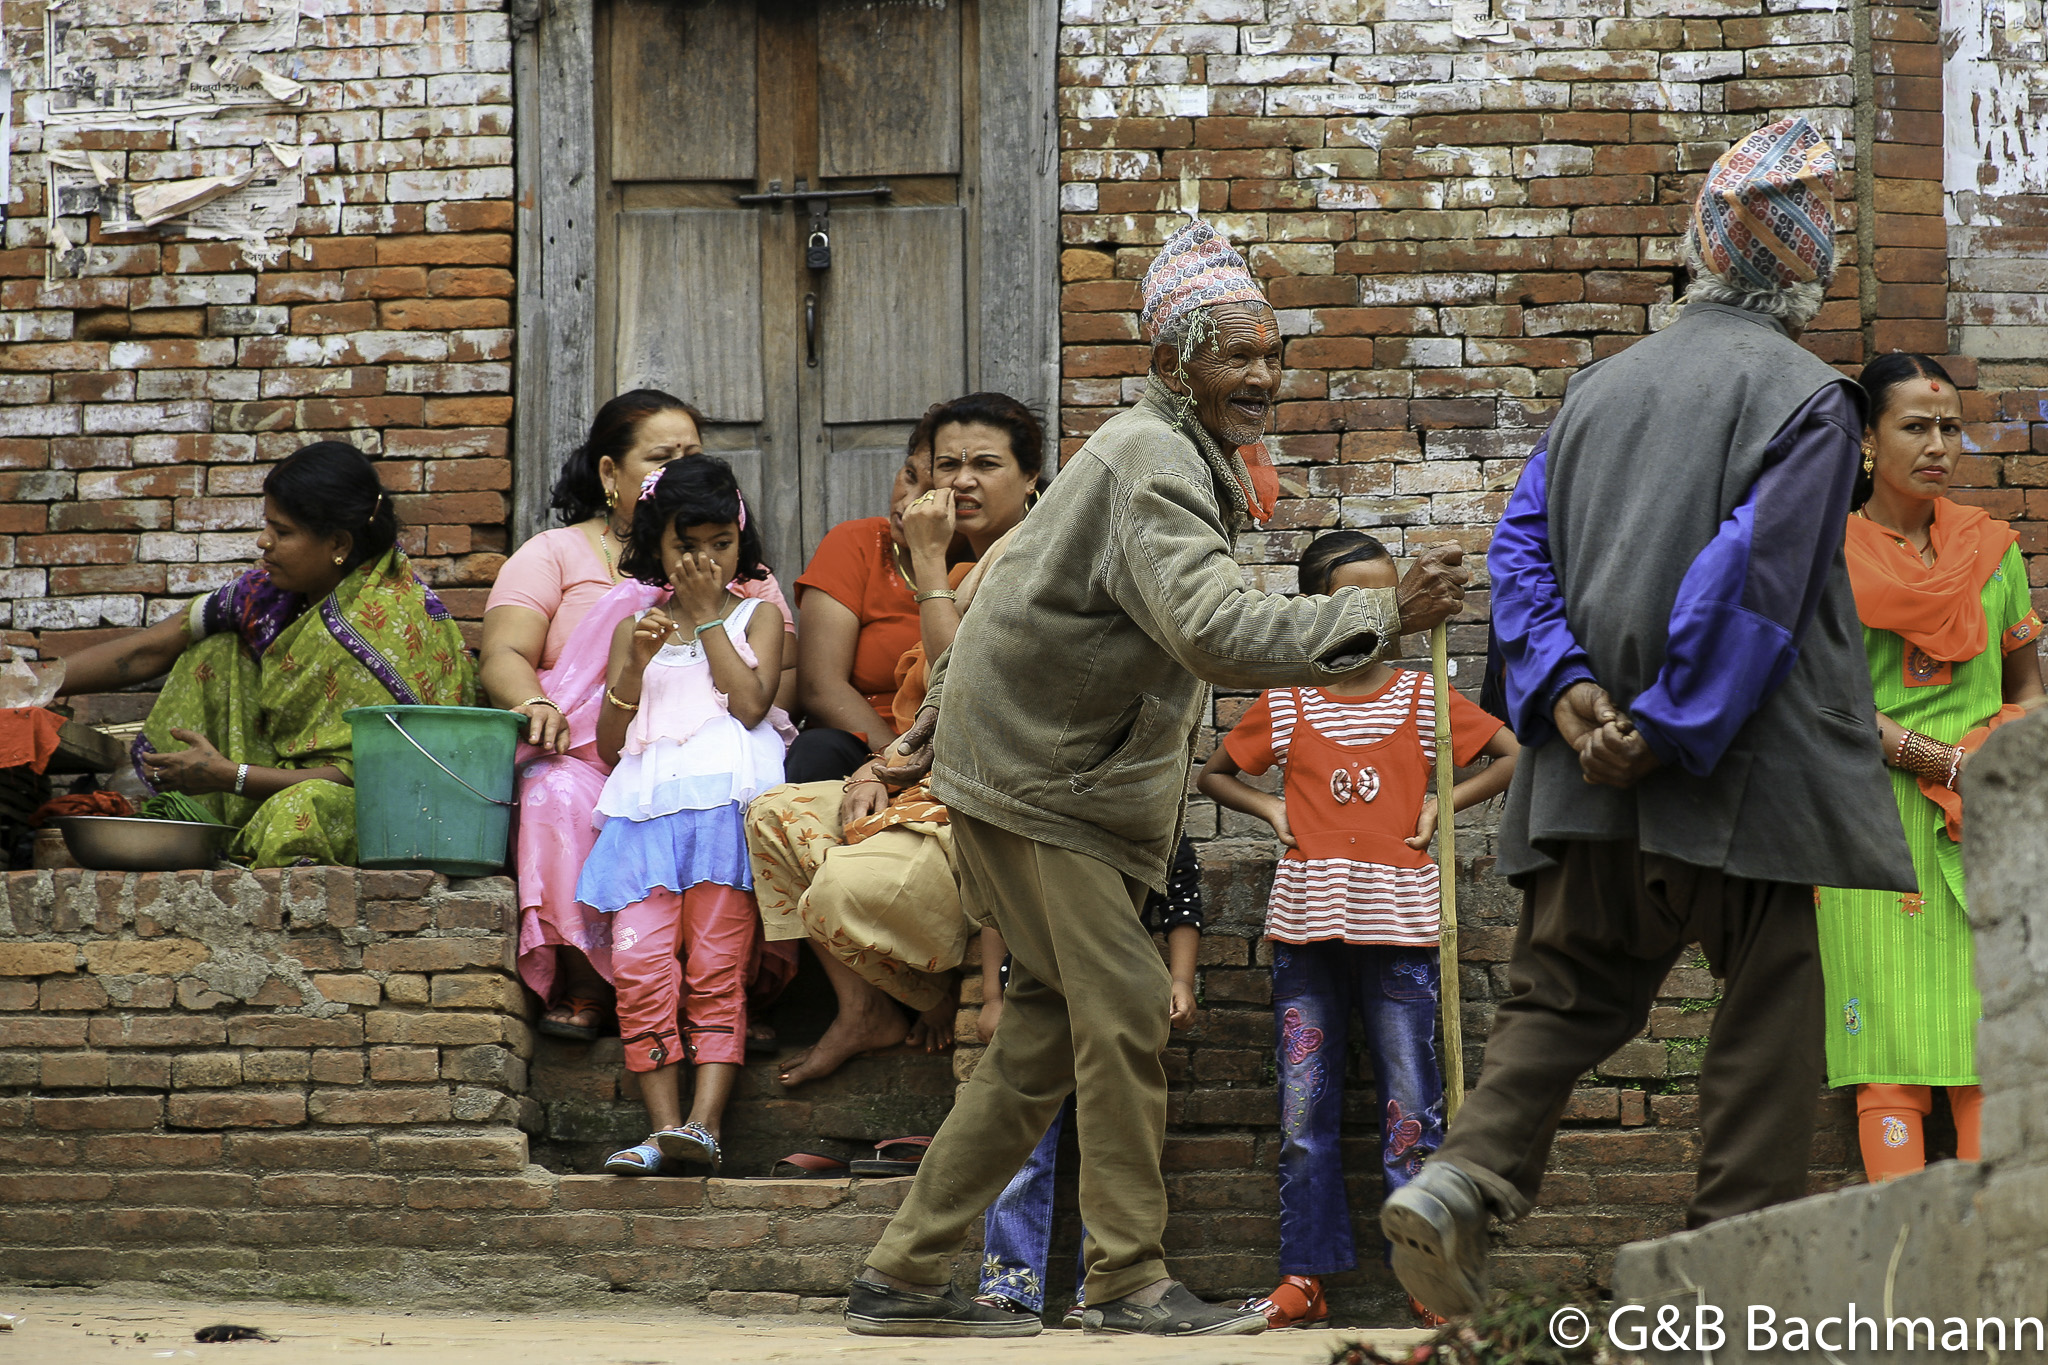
[1353,914]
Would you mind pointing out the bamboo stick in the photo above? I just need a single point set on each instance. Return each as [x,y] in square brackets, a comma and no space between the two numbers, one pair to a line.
[1447,879]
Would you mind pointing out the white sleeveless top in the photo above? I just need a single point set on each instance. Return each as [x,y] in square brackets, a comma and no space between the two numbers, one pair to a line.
[684,749]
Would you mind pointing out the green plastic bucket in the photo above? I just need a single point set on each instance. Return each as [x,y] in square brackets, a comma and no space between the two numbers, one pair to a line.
[434,786]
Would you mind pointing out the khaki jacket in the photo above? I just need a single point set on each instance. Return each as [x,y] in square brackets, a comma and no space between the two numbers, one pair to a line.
[1069,701]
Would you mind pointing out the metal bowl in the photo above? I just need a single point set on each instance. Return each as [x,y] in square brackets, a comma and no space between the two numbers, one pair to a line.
[119,843]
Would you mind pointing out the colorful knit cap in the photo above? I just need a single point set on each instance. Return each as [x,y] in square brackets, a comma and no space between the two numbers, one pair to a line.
[1766,213]
[1196,268]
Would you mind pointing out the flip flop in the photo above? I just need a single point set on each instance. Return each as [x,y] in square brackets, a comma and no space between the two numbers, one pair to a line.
[808,1166]
[766,1046]
[880,1165]
[582,1033]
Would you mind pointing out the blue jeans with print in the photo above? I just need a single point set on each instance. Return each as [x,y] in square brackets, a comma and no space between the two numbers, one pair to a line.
[1016,1237]
[1315,988]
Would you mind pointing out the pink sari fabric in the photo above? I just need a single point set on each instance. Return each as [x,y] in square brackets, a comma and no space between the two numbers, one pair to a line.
[557,796]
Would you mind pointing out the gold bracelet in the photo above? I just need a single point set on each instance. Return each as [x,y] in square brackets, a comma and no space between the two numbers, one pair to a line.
[853,782]
[946,593]
[613,698]
[539,701]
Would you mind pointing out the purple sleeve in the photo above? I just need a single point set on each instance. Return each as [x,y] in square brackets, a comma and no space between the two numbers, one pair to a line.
[1540,657]
[1750,594]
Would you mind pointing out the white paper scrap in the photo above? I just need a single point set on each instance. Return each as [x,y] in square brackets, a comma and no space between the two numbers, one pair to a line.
[152,204]
[280,88]
[287,157]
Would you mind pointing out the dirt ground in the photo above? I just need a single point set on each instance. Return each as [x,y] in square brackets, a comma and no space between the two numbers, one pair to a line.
[65,1328]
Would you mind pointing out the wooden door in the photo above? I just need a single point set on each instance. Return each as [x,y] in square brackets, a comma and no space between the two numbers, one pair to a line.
[810,379]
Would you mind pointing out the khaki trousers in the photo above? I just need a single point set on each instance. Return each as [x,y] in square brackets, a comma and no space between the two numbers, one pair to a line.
[1086,1013]
[1598,934]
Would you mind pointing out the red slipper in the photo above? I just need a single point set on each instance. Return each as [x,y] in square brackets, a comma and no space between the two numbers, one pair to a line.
[807,1166]
[1296,1302]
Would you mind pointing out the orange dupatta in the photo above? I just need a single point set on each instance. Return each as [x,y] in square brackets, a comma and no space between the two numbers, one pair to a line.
[1938,610]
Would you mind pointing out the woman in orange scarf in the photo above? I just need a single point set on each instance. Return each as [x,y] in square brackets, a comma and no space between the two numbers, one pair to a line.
[1953,639]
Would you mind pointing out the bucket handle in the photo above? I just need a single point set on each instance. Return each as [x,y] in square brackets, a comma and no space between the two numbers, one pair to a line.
[439,764]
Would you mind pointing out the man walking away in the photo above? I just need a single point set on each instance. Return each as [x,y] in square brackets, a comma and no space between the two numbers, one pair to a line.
[1685,668]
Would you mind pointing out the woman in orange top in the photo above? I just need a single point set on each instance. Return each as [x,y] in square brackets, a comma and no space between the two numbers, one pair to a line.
[858,596]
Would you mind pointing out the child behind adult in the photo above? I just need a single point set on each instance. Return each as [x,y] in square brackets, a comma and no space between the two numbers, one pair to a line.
[685,728]
[1353,915]
[1016,1242]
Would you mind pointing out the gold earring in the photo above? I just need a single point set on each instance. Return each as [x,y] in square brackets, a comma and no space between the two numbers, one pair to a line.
[611,496]
[1869,459]
[340,560]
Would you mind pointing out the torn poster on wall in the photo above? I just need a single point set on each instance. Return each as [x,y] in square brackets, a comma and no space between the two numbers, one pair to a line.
[165,71]
[103,76]
[1994,104]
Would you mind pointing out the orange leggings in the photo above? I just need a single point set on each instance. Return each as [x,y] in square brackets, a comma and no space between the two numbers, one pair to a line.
[1891,1126]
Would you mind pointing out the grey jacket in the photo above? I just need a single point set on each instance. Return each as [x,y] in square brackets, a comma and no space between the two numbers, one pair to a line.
[1069,701]
[1651,451]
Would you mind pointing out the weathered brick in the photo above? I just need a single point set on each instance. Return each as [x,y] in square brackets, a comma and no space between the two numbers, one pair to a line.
[423,1105]
[295,1031]
[98,1111]
[237,1109]
[37,959]
[161,957]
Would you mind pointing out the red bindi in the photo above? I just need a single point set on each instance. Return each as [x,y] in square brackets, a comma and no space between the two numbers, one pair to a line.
[1934,384]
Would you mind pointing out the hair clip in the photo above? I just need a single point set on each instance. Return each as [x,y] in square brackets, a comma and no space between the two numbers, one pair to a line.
[647,485]
[743,507]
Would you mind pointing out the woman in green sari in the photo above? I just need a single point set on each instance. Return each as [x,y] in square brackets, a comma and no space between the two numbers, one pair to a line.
[262,669]
[1953,643]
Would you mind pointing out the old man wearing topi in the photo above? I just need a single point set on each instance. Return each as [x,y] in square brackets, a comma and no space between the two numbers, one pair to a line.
[1060,727]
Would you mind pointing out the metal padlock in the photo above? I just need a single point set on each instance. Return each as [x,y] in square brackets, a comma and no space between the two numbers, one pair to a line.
[818,251]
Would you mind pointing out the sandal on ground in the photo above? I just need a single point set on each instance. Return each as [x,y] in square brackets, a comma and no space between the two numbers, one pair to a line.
[808,1166]
[1423,1317]
[582,1033]
[762,1041]
[643,1159]
[691,1142]
[1007,1304]
[1070,1321]
[908,1151]
[1296,1302]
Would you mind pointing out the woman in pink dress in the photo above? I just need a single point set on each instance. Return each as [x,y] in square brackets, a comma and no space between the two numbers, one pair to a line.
[539,661]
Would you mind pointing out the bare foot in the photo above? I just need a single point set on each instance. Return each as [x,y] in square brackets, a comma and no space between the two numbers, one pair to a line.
[577,1013]
[932,1031]
[853,1033]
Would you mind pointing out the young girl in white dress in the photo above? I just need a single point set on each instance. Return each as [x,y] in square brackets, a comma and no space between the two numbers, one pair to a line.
[685,726]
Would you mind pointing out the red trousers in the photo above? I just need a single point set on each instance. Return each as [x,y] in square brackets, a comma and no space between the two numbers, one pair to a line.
[692,1010]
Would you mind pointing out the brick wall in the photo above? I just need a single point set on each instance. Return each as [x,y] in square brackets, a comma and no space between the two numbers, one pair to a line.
[154,377]
[323,1082]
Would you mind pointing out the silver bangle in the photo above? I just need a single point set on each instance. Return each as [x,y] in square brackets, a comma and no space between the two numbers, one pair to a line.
[241,778]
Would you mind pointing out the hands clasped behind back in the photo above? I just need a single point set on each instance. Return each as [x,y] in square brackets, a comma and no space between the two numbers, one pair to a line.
[1612,752]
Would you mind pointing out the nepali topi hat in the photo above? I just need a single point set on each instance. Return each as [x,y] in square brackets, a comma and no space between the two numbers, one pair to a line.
[1195,269]
[1766,212]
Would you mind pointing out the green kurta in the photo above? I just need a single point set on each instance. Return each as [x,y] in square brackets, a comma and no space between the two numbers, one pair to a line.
[1902,1007]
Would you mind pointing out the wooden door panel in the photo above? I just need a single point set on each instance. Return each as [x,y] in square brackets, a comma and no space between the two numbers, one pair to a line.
[682,90]
[893,339]
[860,471]
[690,308]
[888,87]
